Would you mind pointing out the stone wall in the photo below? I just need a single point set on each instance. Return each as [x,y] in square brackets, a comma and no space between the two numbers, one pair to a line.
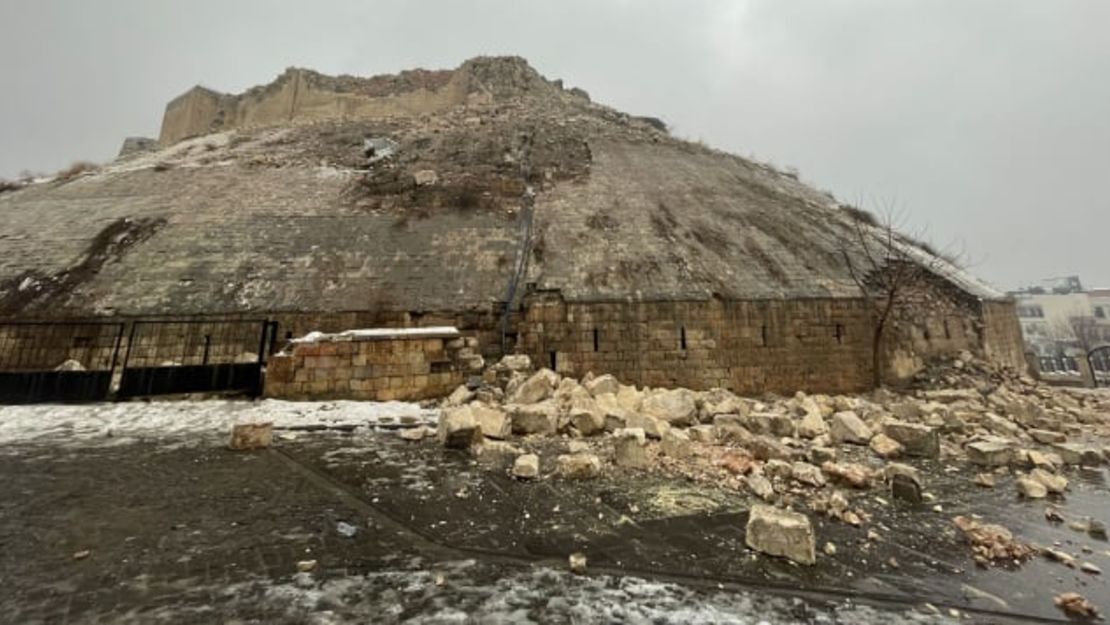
[379,365]
[747,346]
[1002,339]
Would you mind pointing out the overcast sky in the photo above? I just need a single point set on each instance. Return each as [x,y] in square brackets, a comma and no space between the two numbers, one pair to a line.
[987,121]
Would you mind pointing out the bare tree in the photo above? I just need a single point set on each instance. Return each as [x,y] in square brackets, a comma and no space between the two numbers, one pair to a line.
[885,265]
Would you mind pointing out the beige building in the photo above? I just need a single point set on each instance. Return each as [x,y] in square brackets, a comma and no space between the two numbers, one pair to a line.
[1064,327]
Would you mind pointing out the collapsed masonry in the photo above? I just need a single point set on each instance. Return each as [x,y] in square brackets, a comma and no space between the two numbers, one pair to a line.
[490,199]
[841,457]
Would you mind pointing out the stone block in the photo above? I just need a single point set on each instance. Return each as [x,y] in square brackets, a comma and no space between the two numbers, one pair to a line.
[781,533]
[246,436]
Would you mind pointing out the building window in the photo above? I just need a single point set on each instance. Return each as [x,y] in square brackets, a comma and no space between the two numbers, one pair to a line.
[597,341]
[682,338]
[1048,365]
[1030,311]
[1100,312]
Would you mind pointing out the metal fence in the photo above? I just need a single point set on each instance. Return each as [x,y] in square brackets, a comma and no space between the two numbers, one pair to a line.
[57,361]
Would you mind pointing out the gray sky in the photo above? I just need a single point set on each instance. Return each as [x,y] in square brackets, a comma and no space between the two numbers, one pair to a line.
[986,121]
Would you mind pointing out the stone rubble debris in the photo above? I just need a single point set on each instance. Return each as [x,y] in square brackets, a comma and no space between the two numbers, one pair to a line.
[246,436]
[1073,604]
[991,542]
[526,467]
[781,533]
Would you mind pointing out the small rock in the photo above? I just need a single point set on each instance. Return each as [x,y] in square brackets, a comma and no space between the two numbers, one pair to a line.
[986,480]
[1088,567]
[904,488]
[246,436]
[1073,604]
[526,467]
[830,549]
[737,463]
[821,455]
[306,566]
[1046,436]
[1097,529]
[346,529]
[579,466]
[81,555]
[855,475]
[781,533]
[885,446]
[577,562]
[1055,484]
[417,433]
[807,474]
[761,487]
[703,434]
[1030,488]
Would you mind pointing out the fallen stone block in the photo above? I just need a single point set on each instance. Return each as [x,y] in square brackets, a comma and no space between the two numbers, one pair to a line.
[766,448]
[653,427]
[854,475]
[579,466]
[541,418]
[781,533]
[675,406]
[769,423]
[1053,483]
[812,425]
[1046,437]
[990,453]
[458,397]
[458,429]
[526,467]
[761,487]
[807,473]
[1030,488]
[246,436]
[676,444]
[493,422]
[587,422]
[885,446]
[536,388]
[602,384]
[418,433]
[916,440]
[629,448]
[847,427]
[703,434]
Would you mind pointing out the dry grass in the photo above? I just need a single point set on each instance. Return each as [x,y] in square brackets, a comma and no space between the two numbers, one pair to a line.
[75,170]
[860,215]
[11,185]
[162,166]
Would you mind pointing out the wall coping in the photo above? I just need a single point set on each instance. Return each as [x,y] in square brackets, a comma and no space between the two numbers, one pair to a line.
[380,334]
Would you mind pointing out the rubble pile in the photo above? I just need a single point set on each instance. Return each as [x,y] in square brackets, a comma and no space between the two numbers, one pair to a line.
[814,453]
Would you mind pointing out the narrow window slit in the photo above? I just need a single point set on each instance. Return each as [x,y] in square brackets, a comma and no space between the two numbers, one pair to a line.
[597,342]
[763,332]
[839,334]
[682,338]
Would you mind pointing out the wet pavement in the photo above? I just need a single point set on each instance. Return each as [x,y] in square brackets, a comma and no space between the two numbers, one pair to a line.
[196,533]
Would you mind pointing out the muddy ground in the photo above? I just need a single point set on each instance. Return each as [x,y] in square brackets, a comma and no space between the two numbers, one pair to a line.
[196,533]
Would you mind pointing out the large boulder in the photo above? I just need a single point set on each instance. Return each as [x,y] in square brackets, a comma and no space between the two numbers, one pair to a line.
[653,427]
[458,397]
[781,533]
[458,429]
[721,401]
[538,387]
[541,418]
[675,406]
[602,384]
[847,427]
[493,421]
[812,425]
[588,422]
[916,439]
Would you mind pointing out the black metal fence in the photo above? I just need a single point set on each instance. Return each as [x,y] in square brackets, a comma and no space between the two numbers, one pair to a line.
[172,357]
[57,361]
[48,361]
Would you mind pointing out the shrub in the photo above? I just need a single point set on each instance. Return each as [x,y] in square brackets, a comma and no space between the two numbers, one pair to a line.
[75,170]
[860,214]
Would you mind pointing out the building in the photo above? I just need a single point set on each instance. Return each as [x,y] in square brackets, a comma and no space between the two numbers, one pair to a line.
[1063,326]
[488,199]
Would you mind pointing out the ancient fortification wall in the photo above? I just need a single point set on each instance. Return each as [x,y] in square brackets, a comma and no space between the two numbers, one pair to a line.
[379,366]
